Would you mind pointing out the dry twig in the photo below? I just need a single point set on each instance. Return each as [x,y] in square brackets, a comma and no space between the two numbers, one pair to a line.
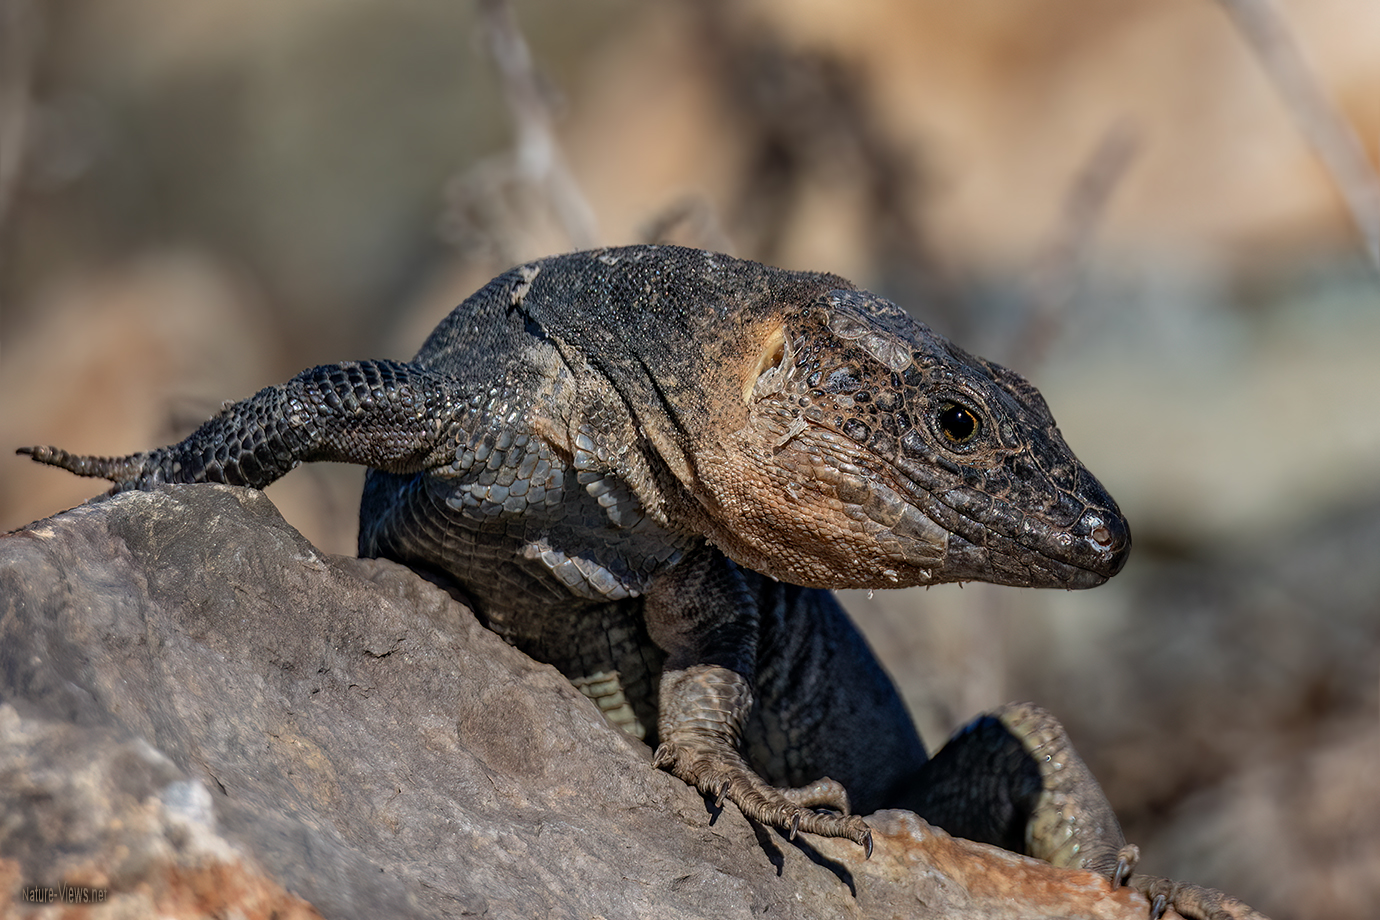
[1060,264]
[538,154]
[1331,136]
[691,217]
[17,40]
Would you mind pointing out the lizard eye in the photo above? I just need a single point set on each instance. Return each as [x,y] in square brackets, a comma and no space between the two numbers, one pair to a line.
[958,424]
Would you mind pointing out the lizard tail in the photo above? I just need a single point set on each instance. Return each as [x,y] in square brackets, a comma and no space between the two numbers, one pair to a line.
[116,469]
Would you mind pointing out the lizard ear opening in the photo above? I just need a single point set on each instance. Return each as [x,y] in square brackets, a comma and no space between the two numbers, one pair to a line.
[767,373]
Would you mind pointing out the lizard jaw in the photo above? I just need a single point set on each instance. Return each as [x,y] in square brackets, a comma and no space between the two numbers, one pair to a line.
[836,525]
[990,539]
[1085,562]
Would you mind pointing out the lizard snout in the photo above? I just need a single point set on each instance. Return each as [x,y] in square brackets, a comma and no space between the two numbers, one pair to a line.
[1108,535]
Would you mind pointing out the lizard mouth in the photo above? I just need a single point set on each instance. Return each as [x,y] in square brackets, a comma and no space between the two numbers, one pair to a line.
[968,535]
[914,532]
[1021,551]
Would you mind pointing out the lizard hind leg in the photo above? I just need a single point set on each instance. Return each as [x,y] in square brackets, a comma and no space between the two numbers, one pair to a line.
[701,715]
[1012,778]
[1073,824]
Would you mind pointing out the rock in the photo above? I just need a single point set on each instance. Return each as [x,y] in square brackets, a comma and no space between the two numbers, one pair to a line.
[204,714]
[89,815]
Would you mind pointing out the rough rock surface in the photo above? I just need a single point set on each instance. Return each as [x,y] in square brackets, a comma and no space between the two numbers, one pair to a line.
[200,712]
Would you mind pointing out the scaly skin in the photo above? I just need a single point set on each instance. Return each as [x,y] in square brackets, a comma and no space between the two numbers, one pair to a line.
[646,465]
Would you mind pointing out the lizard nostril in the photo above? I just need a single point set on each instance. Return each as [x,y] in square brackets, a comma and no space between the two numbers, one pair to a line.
[1109,537]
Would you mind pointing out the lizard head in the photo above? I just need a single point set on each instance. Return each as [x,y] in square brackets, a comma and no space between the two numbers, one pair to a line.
[876,453]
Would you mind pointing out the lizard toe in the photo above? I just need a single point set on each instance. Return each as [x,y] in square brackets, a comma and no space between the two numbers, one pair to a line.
[1195,902]
[721,774]
[1126,859]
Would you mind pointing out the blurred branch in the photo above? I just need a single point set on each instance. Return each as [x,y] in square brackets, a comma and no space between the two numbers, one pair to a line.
[808,123]
[538,154]
[692,217]
[18,36]
[1331,136]
[1060,264]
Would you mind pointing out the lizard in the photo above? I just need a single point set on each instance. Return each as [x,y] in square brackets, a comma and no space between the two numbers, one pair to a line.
[649,466]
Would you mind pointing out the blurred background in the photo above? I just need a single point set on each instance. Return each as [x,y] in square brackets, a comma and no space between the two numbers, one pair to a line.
[1141,206]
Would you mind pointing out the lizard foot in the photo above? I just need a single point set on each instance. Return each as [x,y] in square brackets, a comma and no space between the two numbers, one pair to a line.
[1192,901]
[702,709]
[719,771]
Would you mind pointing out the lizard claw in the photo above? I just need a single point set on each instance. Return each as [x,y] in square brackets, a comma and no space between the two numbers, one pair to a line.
[1126,859]
[718,771]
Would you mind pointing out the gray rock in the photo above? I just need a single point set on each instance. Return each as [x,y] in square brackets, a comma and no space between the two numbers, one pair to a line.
[187,682]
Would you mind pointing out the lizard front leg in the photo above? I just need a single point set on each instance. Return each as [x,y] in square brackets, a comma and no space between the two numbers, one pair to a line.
[383,414]
[703,615]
